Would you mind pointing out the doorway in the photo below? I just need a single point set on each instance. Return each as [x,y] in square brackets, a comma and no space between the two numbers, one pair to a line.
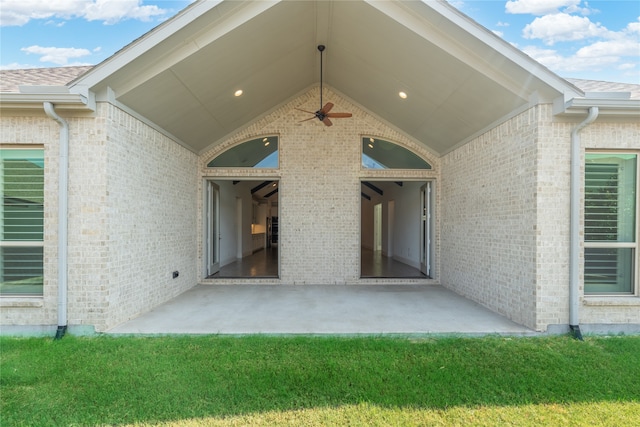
[240,217]
[212,228]
[426,230]
[396,229]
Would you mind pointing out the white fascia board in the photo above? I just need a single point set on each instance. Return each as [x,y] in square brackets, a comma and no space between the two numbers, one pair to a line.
[65,101]
[139,46]
[615,105]
[490,39]
[241,13]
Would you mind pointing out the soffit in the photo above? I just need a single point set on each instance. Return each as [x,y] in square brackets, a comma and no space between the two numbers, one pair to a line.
[457,83]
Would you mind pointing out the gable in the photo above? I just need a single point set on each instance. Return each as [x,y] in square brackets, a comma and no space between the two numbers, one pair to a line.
[459,77]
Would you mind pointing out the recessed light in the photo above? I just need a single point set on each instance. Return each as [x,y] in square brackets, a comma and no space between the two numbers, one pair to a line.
[238,92]
[402,95]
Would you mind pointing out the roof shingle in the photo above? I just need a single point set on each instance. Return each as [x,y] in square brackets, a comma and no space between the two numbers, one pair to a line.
[59,76]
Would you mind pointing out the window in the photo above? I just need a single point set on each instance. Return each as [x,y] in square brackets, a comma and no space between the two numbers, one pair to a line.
[22,220]
[257,153]
[380,154]
[610,223]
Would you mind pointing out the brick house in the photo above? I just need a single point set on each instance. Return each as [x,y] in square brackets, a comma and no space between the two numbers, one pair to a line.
[127,183]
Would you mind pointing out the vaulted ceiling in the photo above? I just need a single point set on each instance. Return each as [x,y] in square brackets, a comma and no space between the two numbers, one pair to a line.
[459,77]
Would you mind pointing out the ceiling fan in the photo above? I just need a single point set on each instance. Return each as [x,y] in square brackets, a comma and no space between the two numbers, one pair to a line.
[323,113]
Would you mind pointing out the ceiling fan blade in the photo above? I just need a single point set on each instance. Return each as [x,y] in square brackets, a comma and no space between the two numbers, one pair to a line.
[326,121]
[339,115]
[306,120]
[310,112]
[324,110]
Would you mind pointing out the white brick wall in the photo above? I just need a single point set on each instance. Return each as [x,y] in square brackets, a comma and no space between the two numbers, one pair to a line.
[132,219]
[319,191]
[151,186]
[505,215]
[488,218]
[135,216]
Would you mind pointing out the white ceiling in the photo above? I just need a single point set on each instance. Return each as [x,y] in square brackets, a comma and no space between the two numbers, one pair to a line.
[460,78]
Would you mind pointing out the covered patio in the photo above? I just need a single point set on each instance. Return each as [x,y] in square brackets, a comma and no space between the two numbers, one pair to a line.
[319,310]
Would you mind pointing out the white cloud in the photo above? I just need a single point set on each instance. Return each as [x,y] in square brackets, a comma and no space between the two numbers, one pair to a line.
[112,11]
[560,64]
[56,55]
[626,66]
[561,27]
[619,47]
[19,12]
[539,7]
[633,27]
[17,66]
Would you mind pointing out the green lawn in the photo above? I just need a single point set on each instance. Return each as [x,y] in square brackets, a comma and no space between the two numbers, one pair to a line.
[209,380]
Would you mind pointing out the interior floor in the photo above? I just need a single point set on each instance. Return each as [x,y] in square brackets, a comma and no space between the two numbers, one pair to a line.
[264,263]
[374,264]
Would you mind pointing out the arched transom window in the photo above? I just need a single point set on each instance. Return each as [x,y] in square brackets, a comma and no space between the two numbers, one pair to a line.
[257,153]
[381,154]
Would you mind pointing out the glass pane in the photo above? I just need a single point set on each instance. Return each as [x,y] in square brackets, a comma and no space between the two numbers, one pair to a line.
[380,154]
[608,270]
[257,153]
[21,270]
[22,186]
[610,197]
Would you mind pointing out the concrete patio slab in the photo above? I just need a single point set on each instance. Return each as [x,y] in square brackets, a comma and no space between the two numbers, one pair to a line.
[315,309]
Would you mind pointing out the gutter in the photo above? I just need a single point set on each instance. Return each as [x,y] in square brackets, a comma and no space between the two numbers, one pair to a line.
[63,210]
[574,262]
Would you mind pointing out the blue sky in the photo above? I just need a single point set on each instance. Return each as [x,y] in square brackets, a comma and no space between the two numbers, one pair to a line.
[598,40]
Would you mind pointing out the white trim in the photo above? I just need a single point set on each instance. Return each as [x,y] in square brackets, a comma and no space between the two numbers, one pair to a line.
[226,20]
[64,101]
[409,15]
[613,106]
[22,243]
[610,245]
[635,245]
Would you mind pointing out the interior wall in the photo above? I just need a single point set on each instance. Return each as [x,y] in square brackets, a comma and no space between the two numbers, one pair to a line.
[405,223]
[319,178]
[366,223]
[228,240]
[229,193]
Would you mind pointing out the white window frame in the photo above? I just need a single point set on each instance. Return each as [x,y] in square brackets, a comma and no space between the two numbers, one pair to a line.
[634,246]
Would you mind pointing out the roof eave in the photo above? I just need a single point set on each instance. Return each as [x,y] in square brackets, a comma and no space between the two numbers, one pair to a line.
[31,101]
[612,107]
[506,49]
